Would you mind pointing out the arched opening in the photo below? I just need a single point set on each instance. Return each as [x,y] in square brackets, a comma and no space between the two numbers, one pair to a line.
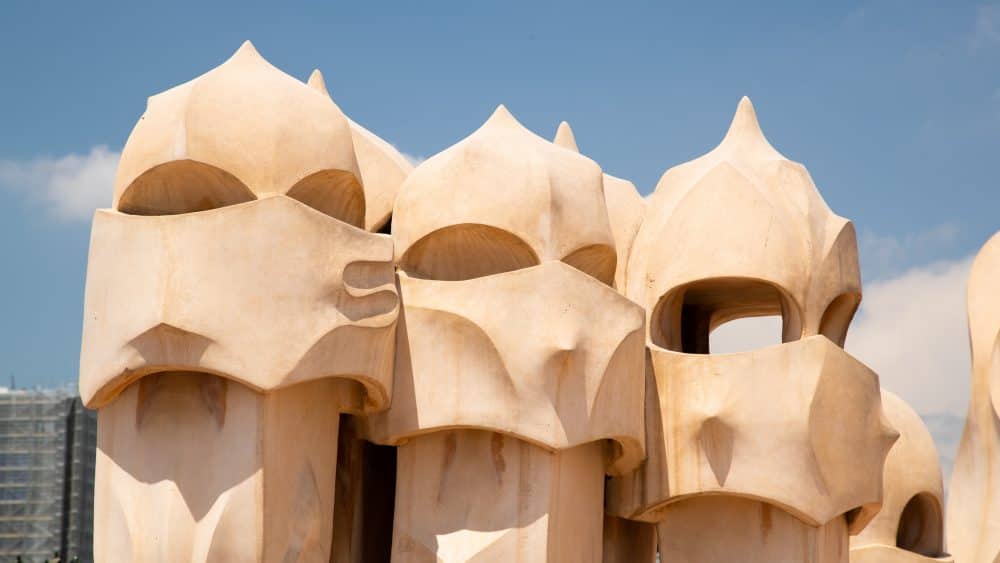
[684,319]
[467,251]
[182,186]
[336,193]
[920,527]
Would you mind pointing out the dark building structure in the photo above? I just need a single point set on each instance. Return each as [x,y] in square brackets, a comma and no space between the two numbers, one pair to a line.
[48,444]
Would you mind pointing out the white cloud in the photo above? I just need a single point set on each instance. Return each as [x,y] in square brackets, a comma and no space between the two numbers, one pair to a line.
[987,27]
[912,331]
[70,187]
[882,255]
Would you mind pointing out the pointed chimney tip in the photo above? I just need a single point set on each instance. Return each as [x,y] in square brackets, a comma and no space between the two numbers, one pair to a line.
[247,48]
[502,114]
[565,137]
[316,82]
[744,123]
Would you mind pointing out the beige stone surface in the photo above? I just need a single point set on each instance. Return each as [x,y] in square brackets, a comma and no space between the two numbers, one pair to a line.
[239,292]
[192,467]
[910,525]
[973,514]
[751,220]
[546,354]
[234,308]
[242,131]
[520,372]
[519,379]
[473,495]
[734,424]
[625,207]
[383,168]
[720,529]
[499,200]
[788,441]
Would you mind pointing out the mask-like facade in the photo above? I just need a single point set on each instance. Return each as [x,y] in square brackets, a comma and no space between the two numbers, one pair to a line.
[910,526]
[518,378]
[795,429]
[234,308]
[974,495]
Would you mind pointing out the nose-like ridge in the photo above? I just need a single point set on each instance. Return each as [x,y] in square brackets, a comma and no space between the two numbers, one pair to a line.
[716,442]
[168,345]
[557,353]
[724,417]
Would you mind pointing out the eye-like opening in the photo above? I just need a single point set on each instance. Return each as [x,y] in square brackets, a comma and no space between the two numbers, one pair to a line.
[838,316]
[337,193]
[467,251]
[745,334]
[920,527]
[182,186]
[684,318]
[598,260]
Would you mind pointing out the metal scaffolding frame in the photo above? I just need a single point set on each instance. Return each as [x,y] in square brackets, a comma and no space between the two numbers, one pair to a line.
[47,455]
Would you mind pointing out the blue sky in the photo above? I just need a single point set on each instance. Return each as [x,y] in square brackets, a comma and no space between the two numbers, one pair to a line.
[893,106]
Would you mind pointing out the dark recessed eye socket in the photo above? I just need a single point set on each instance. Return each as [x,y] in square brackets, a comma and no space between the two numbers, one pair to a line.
[467,251]
[838,316]
[336,193]
[598,260]
[920,527]
[684,318]
[182,186]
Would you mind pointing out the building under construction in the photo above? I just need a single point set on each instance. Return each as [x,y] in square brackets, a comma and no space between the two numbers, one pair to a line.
[47,454]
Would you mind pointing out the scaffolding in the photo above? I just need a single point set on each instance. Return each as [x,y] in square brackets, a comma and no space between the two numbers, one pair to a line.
[47,455]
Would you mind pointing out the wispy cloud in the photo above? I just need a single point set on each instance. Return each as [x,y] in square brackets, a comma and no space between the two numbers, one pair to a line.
[70,187]
[884,255]
[912,331]
[986,31]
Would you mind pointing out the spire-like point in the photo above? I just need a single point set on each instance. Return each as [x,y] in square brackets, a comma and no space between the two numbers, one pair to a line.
[502,114]
[745,121]
[246,49]
[565,138]
[744,125]
[745,133]
[317,83]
